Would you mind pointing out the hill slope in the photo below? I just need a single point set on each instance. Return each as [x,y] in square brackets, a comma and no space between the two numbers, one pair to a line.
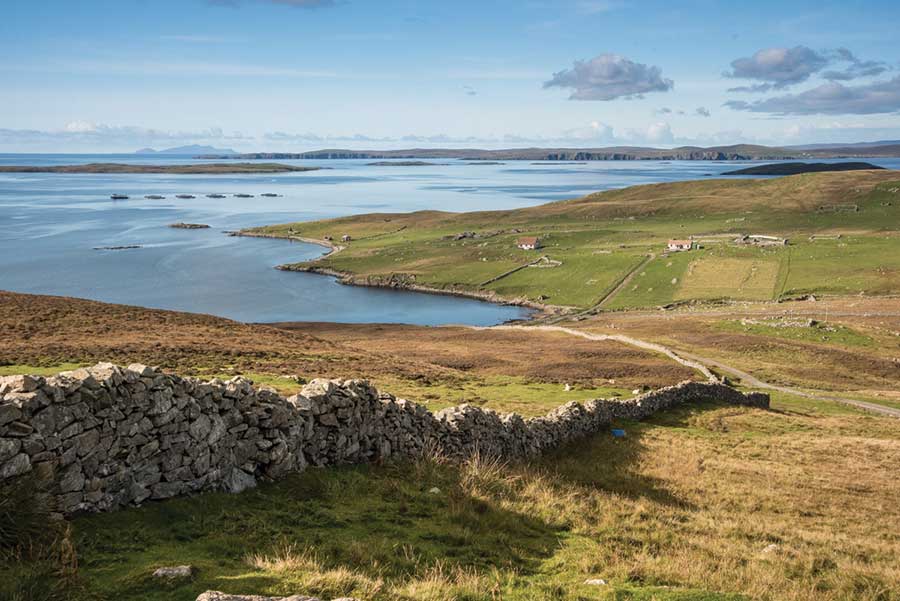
[593,244]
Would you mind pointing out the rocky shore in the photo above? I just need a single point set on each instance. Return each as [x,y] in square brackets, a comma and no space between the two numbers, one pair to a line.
[406,282]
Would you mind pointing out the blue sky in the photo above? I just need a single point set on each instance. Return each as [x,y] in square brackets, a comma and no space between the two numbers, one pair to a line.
[305,74]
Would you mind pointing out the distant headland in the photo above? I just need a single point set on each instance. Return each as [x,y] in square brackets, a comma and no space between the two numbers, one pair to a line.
[737,152]
[798,168]
[187,150]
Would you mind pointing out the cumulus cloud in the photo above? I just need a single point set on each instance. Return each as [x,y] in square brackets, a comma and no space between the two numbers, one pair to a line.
[610,76]
[658,133]
[781,68]
[831,98]
[595,131]
[702,111]
[86,134]
[777,68]
[664,111]
[856,68]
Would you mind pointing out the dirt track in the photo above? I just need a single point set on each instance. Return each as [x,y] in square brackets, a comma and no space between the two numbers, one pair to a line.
[701,364]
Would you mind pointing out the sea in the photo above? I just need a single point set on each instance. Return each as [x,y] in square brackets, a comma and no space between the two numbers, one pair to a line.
[52,225]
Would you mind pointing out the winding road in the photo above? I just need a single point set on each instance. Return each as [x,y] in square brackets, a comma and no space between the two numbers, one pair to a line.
[702,364]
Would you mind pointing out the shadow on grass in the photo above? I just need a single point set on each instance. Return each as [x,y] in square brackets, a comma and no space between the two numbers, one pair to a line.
[608,463]
[338,531]
[378,522]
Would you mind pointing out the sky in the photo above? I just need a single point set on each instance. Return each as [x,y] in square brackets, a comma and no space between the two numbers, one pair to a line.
[294,75]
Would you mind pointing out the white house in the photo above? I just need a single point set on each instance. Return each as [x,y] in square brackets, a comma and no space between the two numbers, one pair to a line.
[529,243]
[679,245]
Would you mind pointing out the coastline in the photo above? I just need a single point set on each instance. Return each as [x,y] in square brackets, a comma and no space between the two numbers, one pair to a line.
[540,310]
[331,246]
[398,281]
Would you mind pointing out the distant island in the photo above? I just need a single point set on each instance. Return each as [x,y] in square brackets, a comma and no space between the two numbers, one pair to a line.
[189,226]
[208,169]
[798,168]
[187,150]
[401,164]
[736,152]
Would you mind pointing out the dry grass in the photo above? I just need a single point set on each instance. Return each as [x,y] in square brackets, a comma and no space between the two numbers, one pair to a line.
[706,503]
[862,357]
[423,364]
[788,506]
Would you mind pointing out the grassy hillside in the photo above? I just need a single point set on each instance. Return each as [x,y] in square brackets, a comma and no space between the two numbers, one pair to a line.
[794,504]
[594,243]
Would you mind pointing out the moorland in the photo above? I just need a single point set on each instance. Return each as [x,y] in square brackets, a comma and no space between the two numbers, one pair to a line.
[702,503]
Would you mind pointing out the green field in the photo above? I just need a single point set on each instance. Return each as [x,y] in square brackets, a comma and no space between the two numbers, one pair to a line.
[592,244]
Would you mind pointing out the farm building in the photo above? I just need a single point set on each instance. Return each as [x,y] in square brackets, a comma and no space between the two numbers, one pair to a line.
[679,245]
[529,243]
[761,240]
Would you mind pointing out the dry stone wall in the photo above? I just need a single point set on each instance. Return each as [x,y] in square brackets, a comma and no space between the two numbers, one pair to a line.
[108,437]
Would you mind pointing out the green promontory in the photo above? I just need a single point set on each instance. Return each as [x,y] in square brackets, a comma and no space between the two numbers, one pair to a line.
[841,231]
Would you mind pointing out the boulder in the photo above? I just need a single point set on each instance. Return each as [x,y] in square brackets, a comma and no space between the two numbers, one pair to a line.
[217,596]
[238,481]
[174,572]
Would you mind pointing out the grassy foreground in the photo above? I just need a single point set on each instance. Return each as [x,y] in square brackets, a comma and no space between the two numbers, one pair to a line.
[594,243]
[704,503]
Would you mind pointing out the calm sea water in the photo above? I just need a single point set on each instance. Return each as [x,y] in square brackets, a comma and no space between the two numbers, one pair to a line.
[51,223]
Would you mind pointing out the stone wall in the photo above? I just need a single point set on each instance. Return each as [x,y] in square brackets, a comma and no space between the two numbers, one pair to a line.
[109,437]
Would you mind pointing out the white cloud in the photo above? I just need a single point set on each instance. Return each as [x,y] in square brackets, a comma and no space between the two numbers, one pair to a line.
[80,127]
[610,76]
[659,133]
[831,98]
[781,68]
[778,68]
[595,131]
[81,134]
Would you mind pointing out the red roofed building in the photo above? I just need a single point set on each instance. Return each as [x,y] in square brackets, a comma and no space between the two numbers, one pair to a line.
[529,243]
[679,245]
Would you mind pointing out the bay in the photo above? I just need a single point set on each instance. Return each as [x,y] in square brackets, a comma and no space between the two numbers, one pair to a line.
[50,225]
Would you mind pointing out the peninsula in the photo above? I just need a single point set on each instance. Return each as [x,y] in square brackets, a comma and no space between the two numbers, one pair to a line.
[207,169]
[639,247]
[798,168]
